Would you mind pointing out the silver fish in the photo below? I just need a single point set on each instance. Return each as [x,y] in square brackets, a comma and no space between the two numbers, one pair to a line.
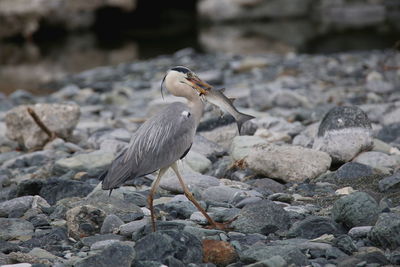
[217,98]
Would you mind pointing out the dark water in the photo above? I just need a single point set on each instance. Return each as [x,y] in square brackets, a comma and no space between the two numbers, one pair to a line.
[52,53]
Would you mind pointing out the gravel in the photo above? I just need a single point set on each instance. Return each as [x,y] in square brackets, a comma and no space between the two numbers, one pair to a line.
[304,186]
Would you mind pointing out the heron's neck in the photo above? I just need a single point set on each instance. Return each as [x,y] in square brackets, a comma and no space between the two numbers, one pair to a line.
[196,106]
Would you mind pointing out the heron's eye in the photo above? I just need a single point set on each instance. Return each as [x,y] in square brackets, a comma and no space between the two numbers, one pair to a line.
[190,75]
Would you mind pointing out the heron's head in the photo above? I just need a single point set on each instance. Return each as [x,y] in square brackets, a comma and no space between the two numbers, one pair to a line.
[181,81]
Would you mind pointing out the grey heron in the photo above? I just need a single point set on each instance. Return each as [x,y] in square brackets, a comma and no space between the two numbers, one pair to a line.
[163,139]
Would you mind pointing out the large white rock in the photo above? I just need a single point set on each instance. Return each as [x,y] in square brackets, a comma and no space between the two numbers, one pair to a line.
[288,163]
[343,133]
[243,144]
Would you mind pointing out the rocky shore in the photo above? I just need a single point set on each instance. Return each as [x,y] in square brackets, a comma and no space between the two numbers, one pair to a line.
[314,180]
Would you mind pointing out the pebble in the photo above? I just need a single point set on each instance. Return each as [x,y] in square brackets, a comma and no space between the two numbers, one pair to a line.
[111,223]
[76,221]
[13,228]
[356,209]
[385,231]
[159,246]
[262,217]
[313,227]
[117,254]
[377,160]
[192,180]
[84,221]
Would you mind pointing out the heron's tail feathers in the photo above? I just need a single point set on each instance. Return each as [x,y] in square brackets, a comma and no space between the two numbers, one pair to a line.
[117,174]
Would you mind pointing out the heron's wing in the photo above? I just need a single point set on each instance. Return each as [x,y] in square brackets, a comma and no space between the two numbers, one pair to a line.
[158,143]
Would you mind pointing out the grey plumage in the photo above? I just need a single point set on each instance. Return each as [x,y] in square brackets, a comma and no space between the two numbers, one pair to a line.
[158,143]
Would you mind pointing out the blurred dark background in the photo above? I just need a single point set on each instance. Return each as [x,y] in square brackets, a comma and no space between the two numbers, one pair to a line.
[44,40]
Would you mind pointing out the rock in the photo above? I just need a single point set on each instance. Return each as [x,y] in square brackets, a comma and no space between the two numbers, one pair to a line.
[116,254]
[390,133]
[390,183]
[267,186]
[50,240]
[345,244]
[266,99]
[288,163]
[345,191]
[376,83]
[169,243]
[84,221]
[263,217]
[32,159]
[242,146]
[100,245]
[343,133]
[91,240]
[111,223]
[132,227]
[274,261]
[220,193]
[21,204]
[116,204]
[14,228]
[220,253]
[359,231]
[368,256]
[278,125]
[314,226]
[356,209]
[93,163]
[223,135]
[385,233]
[97,139]
[55,189]
[353,170]
[251,10]
[59,118]
[202,233]
[8,247]
[207,148]
[25,20]
[193,180]
[197,162]
[290,253]
[377,160]
[43,254]
[180,209]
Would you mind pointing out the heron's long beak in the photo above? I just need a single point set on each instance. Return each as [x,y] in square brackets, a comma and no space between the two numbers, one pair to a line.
[201,86]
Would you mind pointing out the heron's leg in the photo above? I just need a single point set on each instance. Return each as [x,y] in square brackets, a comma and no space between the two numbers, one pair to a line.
[151,195]
[189,195]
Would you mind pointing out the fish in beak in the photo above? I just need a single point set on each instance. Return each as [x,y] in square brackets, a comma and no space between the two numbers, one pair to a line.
[201,86]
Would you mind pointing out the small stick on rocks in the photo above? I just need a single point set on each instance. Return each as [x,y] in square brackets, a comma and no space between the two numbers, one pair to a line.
[40,123]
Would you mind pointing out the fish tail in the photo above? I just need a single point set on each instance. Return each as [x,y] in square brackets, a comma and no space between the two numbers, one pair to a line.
[242,119]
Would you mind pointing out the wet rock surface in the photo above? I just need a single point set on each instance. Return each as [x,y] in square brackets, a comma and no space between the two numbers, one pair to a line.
[283,201]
